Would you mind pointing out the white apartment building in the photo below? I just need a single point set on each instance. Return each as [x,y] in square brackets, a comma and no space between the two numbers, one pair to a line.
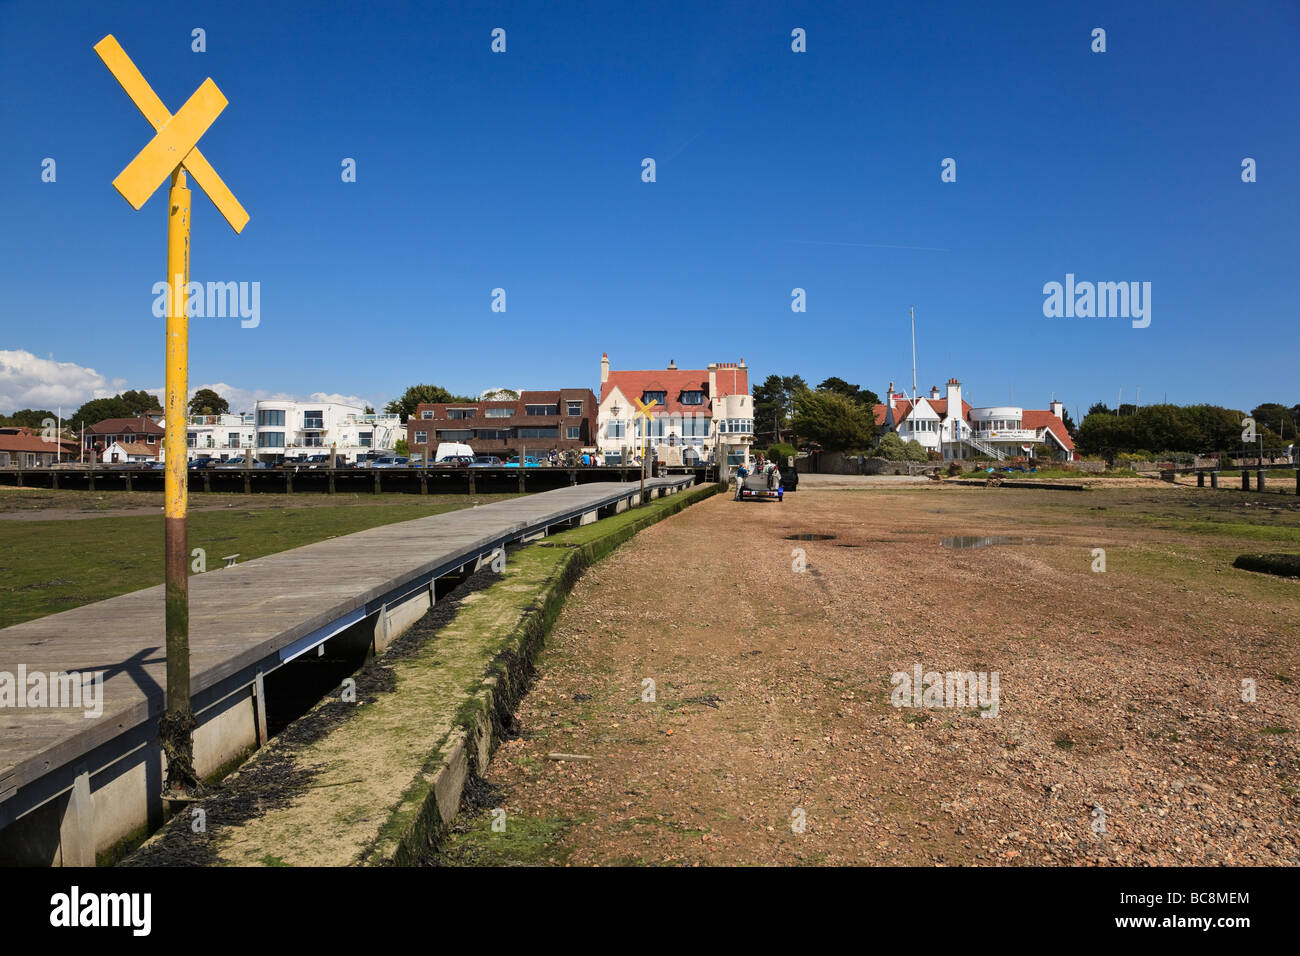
[284,430]
[698,416]
[288,430]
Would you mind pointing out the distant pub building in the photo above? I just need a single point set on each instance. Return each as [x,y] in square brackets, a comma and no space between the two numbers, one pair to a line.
[537,421]
[698,416]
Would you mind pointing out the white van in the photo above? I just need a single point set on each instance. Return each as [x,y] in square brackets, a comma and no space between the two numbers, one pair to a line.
[450,449]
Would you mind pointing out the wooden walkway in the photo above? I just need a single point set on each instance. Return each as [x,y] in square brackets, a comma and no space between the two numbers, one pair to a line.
[244,620]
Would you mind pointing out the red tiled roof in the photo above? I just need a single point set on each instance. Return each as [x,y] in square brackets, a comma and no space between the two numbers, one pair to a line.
[1045,419]
[118,426]
[731,380]
[903,407]
[137,448]
[26,441]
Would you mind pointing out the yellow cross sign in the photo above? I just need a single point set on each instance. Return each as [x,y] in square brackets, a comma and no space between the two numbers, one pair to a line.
[175,139]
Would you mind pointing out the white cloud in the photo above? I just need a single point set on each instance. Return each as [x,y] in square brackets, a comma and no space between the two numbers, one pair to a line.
[27,381]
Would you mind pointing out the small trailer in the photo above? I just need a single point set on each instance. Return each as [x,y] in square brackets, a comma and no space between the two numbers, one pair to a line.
[761,486]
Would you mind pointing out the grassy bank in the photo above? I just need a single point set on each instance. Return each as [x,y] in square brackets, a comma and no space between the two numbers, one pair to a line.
[49,566]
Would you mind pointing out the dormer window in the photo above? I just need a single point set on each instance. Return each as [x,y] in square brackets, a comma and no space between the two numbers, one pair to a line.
[694,397]
[660,397]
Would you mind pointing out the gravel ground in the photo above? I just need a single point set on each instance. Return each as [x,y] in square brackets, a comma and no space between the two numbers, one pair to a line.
[1121,735]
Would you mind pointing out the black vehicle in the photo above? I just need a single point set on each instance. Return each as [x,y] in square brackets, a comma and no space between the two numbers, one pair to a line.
[789,479]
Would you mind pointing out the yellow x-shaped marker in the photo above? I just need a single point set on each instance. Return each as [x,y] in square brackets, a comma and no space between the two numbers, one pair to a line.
[644,409]
[175,139]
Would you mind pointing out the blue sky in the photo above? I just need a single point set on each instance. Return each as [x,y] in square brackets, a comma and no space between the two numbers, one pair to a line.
[775,170]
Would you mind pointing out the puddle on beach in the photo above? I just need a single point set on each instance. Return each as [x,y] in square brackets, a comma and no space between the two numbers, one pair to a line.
[967,542]
[806,536]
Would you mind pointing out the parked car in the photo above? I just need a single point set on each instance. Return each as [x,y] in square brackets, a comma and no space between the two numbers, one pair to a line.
[789,479]
[486,461]
[205,462]
[390,461]
[453,461]
[231,464]
[529,462]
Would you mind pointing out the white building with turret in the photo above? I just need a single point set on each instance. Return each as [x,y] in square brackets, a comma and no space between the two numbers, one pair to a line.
[950,426]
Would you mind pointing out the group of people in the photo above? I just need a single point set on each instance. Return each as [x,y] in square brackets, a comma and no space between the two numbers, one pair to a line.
[572,458]
[762,466]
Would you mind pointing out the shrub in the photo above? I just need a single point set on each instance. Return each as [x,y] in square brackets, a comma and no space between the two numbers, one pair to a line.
[781,454]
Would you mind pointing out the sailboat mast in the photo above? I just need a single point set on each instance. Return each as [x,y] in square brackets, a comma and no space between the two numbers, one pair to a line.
[913,313]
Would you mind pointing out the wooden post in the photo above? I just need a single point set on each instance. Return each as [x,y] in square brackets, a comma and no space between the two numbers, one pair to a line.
[1245,478]
[1214,478]
[1200,478]
[471,480]
[378,486]
[522,452]
[1259,479]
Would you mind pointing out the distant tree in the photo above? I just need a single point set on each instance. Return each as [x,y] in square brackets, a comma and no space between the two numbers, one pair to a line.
[29,418]
[499,395]
[369,410]
[1161,428]
[140,401]
[421,395]
[208,402]
[1099,408]
[98,409]
[774,403]
[1068,422]
[863,396]
[833,421]
[401,448]
[1278,418]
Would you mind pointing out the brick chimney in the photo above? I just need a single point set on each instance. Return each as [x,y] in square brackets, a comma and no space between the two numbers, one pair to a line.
[934,391]
[1058,409]
[604,368]
[713,380]
[671,365]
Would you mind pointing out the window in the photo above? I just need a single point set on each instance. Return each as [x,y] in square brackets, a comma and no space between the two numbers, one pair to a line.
[191,440]
[313,421]
[232,439]
[427,413]
[616,428]
[613,458]
[574,408]
[539,432]
[270,439]
[422,438]
[498,412]
[695,426]
[492,434]
[270,416]
[364,438]
[459,413]
[695,397]
[455,434]
[573,432]
[148,439]
[541,409]
[660,397]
